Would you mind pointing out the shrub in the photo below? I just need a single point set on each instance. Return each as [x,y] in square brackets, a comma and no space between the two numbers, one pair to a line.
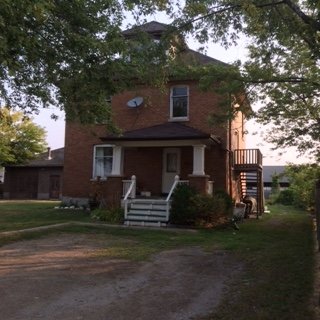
[212,210]
[182,211]
[228,202]
[191,208]
[111,215]
[286,197]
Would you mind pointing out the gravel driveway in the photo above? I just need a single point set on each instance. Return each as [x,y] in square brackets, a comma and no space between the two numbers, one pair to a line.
[59,277]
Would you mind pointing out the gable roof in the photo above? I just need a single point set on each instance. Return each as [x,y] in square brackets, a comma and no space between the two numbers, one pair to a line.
[166,131]
[202,58]
[157,29]
[153,27]
[56,159]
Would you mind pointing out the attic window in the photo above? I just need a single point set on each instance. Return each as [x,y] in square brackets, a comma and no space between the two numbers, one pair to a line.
[179,103]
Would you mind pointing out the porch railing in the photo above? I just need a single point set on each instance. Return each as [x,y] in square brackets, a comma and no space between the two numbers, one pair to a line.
[129,188]
[174,185]
[247,157]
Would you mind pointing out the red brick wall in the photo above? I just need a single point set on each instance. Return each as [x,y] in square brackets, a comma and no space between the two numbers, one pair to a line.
[146,165]
[156,108]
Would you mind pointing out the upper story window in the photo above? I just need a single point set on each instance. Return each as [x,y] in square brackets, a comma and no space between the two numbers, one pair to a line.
[179,103]
[102,161]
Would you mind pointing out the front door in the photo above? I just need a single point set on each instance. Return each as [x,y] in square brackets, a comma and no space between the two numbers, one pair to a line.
[170,167]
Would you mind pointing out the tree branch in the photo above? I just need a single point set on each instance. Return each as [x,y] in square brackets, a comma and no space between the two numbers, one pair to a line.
[280,80]
[305,18]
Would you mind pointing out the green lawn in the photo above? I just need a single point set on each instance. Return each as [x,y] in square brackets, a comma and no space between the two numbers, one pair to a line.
[15,215]
[277,252]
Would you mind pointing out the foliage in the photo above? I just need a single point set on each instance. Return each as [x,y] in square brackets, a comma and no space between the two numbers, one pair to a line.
[212,210]
[228,202]
[302,179]
[275,189]
[20,139]
[182,211]
[112,215]
[191,208]
[69,53]
[286,197]
[275,184]
[282,70]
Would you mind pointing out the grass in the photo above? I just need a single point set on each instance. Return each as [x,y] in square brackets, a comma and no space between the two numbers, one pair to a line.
[15,215]
[277,252]
[279,274]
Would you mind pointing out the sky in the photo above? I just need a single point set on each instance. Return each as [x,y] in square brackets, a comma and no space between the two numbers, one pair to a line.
[56,128]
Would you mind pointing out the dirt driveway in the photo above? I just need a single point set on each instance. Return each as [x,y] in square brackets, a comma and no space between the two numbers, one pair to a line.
[61,278]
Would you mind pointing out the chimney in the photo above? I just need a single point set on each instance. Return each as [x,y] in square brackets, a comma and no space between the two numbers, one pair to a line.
[49,153]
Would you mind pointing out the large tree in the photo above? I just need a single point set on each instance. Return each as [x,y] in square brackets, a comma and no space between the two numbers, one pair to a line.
[20,139]
[72,53]
[282,71]
[68,53]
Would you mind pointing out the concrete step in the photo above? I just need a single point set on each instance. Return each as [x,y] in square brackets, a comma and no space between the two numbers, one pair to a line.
[143,217]
[148,206]
[147,212]
[157,213]
[145,223]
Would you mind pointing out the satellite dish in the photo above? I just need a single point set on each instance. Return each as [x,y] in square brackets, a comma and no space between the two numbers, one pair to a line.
[135,102]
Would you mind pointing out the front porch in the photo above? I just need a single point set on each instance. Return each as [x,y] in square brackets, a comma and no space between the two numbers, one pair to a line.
[155,155]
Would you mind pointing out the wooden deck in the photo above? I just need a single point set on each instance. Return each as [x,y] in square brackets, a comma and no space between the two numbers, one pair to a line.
[247,163]
[247,159]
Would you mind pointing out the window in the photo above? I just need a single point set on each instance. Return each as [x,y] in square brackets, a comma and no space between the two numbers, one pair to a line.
[102,163]
[179,104]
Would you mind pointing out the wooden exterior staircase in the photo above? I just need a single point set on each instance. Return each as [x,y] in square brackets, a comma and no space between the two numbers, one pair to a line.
[247,163]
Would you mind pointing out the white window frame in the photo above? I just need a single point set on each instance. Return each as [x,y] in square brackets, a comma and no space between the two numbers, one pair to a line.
[94,176]
[183,118]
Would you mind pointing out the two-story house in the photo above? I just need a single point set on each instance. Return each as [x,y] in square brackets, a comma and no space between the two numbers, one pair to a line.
[166,138]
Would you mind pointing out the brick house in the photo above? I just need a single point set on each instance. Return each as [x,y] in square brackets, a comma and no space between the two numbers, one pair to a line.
[165,136]
[40,178]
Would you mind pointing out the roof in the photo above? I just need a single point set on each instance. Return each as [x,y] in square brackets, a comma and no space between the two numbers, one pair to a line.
[153,27]
[202,58]
[269,171]
[42,160]
[166,131]
[157,29]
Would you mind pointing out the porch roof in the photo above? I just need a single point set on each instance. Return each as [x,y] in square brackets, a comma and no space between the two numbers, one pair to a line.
[166,131]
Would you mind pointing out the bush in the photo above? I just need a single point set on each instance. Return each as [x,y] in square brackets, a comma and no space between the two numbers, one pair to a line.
[182,211]
[212,210]
[191,208]
[286,197]
[112,215]
[228,202]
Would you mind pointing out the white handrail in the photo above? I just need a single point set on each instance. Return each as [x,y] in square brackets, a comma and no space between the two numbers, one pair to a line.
[132,189]
[174,185]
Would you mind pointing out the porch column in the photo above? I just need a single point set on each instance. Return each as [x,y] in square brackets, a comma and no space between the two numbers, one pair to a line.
[117,161]
[198,160]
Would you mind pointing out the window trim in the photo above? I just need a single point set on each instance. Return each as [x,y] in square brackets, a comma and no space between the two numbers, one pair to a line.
[94,160]
[184,118]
